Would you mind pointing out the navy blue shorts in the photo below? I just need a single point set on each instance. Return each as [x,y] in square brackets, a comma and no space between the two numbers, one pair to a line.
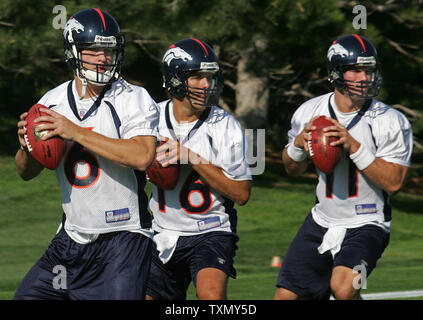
[307,273]
[115,266]
[170,281]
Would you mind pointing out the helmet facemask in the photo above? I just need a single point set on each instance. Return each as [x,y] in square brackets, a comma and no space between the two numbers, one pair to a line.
[197,96]
[360,89]
[101,74]
[205,97]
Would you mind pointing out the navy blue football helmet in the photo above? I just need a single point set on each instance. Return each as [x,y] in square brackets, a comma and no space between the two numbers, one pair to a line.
[94,29]
[354,51]
[184,59]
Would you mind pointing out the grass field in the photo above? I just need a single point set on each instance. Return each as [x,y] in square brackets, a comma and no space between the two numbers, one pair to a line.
[30,213]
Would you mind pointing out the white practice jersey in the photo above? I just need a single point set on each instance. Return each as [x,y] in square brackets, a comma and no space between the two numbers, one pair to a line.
[98,195]
[346,197]
[193,207]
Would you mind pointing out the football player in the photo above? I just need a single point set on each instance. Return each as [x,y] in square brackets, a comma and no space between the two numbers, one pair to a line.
[110,127]
[348,228]
[195,223]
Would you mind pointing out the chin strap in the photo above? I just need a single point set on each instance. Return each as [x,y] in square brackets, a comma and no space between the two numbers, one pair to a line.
[84,84]
[84,88]
[85,81]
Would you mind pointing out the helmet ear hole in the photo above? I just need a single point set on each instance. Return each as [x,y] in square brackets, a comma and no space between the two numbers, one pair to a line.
[175,82]
[176,86]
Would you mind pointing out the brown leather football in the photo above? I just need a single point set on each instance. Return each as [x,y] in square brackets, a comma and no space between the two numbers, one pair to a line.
[47,152]
[165,178]
[324,156]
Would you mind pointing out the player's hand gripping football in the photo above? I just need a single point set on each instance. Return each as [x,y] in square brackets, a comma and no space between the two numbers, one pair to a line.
[57,125]
[345,140]
[301,141]
[22,129]
[172,152]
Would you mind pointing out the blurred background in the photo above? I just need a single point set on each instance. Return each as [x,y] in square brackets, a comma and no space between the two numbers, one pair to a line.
[272,52]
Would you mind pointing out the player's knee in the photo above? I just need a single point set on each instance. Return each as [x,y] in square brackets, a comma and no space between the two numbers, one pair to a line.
[345,292]
[211,291]
[342,284]
[285,294]
[211,295]
[211,284]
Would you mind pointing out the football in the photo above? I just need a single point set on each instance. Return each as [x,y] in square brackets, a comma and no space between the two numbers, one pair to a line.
[165,178]
[324,156]
[47,152]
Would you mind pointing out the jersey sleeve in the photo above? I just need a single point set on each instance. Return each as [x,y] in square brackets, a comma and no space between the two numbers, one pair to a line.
[50,98]
[305,112]
[299,120]
[142,115]
[43,100]
[296,126]
[394,138]
[233,151]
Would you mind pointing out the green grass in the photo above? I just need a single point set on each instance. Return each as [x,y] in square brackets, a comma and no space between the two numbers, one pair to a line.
[30,213]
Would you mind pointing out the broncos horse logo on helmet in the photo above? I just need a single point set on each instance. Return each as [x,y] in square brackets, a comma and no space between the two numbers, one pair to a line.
[337,49]
[72,25]
[176,53]
[93,29]
[354,51]
[185,58]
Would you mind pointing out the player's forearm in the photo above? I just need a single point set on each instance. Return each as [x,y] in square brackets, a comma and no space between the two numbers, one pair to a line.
[27,167]
[137,152]
[387,175]
[238,191]
[292,167]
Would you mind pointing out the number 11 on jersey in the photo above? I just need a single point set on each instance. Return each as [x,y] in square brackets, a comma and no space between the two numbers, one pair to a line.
[352,181]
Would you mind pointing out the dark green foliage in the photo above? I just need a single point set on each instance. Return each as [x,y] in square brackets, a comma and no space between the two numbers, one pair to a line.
[287,41]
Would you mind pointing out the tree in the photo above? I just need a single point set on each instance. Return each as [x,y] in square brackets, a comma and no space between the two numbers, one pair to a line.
[272,52]
[256,46]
